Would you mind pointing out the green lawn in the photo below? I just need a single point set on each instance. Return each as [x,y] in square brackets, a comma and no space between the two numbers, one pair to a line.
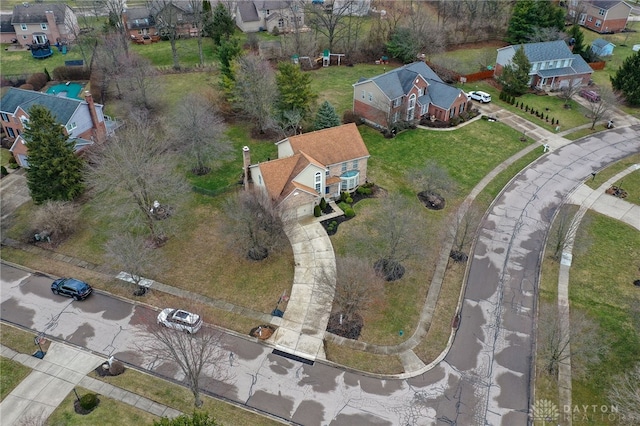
[601,284]
[12,374]
[605,174]
[5,155]
[468,61]
[160,53]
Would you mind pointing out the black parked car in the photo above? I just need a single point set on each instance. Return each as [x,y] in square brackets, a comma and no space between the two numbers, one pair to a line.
[71,287]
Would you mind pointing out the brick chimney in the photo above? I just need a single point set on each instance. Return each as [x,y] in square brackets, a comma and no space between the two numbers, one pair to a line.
[246,162]
[52,33]
[99,127]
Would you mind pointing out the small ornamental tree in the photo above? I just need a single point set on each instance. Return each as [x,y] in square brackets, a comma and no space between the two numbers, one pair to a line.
[326,117]
[627,79]
[55,171]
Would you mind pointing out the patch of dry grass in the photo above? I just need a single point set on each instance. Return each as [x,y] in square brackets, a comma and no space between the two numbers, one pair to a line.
[363,361]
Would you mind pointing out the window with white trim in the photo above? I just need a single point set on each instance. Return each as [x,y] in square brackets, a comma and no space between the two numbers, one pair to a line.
[71,126]
[355,164]
[397,102]
[370,96]
[602,12]
[4,116]
[10,132]
[590,19]
[43,27]
[363,94]
[344,167]
[23,27]
[318,182]
[598,22]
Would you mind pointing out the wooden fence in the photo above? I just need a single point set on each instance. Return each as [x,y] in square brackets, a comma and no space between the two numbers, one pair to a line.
[597,66]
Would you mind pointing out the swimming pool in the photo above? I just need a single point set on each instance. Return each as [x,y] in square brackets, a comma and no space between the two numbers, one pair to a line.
[68,90]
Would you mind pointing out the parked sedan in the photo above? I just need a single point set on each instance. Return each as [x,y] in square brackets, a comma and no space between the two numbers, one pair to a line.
[71,287]
[180,320]
[482,97]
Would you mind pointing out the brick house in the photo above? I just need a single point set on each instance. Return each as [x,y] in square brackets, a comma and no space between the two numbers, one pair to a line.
[553,65]
[310,166]
[139,22]
[83,120]
[176,14]
[407,94]
[41,22]
[602,16]
[260,15]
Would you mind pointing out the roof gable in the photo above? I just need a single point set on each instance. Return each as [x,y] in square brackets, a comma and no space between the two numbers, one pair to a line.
[399,81]
[546,51]
[34,13]
[247,11]
[607,4]
[331,146]
[61,108]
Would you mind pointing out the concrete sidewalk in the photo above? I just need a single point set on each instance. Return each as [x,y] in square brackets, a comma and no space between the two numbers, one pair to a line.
[56,375]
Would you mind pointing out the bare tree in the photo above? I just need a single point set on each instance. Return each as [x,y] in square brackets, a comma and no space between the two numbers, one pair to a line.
[355,287]
[198,22]
[56,219]
[199,133]
[433,184]
[562,233]
[555,340]
[625,394]
[108,62]
[255,90]
[568,92]
[328,20]
[256,223]
[394,237]
[425,29]
[133,171]
[132,254]
[541,34]
[196,355]
[143,84]
[169,17]
[598,110]
[462,230]
[115,11]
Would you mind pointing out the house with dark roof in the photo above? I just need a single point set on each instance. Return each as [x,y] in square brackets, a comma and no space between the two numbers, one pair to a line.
[407,94]
[602,47]
[311,166]
[83,120]
[260,15]
[139,22]
[602,16]
[173,16]
[7,32]
[37,23]
[553,65]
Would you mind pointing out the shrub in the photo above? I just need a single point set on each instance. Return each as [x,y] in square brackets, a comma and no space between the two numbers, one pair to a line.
[364,190]
[26,86]
[323,204]
[344,196]
[89,401]
[71,73]
[3,171]
[343,206]
[317,211]
[58,218]
[484,117]
[37,80]
[116,368]
[275,31]
[349,212]
[349,200]
[351,117]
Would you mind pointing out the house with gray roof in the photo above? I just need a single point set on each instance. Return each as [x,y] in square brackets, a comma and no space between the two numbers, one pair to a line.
[407,94]
[7,32]
[83,120]
[261,15]
[139,22]
[553,64]
[602,16]
[37,23]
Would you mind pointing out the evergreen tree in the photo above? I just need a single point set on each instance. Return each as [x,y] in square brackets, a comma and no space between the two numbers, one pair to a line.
[578,40]
[326,117]
[222,24]
[528,15]
[627,79]
[227,52]
[515,76]
[55,171]
[294,87]
[403,45]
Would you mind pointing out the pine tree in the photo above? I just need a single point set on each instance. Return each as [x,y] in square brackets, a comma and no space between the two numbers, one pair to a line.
[55,171]
[528,15]
[627,79]
[515,76]
[295,88]
[326,117]
[578,40]
[222,25]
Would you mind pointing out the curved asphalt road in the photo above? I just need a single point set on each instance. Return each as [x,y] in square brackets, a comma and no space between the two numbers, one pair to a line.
[485,377]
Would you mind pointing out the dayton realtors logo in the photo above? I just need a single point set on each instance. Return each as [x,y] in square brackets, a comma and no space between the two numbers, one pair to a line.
[544,412]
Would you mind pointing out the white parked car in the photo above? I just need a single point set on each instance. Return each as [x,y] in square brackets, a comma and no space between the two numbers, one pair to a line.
[482,97]
[180,320]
